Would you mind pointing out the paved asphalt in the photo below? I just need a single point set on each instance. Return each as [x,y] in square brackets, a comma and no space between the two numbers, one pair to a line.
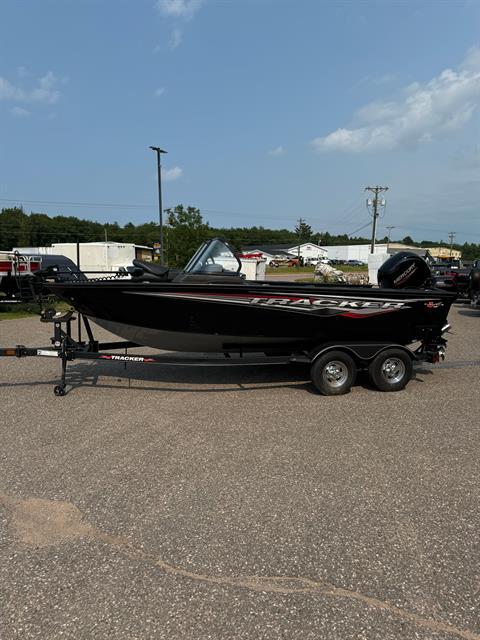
[155,503]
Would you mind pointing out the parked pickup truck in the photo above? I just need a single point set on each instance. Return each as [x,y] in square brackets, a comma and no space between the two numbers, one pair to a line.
[452,276]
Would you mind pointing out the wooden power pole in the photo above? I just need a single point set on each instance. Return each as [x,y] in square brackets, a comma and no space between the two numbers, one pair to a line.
[376,192]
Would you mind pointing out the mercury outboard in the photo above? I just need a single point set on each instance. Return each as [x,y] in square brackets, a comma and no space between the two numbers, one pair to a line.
[404,270]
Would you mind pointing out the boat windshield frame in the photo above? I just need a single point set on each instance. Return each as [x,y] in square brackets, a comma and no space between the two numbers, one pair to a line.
[200,258]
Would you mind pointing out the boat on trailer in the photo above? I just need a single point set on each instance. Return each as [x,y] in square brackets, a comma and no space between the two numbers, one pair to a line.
[210,307]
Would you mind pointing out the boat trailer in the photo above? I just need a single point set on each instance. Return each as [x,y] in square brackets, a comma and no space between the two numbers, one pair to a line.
[333,366]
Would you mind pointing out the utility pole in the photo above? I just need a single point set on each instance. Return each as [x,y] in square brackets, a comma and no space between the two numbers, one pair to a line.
[389,232]
[376,191]
[158,151]
[451,235]
[300,222]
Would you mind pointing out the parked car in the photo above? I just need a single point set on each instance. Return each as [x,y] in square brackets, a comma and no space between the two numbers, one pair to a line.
[286,262]
[355,263]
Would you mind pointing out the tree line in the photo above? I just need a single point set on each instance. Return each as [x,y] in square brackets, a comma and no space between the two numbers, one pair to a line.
[184,230]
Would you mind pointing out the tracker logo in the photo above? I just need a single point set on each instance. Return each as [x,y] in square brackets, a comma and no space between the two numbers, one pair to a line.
[325,303]
[127,358]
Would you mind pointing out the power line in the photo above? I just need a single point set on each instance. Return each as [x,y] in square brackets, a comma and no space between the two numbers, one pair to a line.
[216,212]
[359,229]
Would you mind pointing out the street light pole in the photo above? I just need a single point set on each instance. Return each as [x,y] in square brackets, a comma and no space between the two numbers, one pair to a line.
[158,151]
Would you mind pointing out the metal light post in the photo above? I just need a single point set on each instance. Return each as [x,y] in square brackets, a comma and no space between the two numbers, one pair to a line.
[158,151]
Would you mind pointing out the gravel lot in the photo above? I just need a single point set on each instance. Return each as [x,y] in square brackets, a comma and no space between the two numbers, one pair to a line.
[155,502]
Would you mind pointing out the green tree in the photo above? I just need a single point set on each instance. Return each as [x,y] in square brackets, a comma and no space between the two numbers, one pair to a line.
[185,232]
[303,231]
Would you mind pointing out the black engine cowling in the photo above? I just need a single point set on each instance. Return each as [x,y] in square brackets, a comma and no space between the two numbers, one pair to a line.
[404,270]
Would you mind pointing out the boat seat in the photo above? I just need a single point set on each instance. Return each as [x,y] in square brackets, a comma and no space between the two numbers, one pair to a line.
[150,267]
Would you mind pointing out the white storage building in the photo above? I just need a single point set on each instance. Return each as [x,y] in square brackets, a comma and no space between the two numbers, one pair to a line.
[96,256]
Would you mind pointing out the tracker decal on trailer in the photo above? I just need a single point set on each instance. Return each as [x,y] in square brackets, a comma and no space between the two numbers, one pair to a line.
[126,358]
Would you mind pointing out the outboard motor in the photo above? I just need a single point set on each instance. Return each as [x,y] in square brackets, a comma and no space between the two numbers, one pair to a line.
[404,270]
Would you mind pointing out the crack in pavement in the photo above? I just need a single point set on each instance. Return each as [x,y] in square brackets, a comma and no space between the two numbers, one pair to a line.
[42,523]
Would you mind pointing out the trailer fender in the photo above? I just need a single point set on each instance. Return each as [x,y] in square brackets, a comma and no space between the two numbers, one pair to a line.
[362,353]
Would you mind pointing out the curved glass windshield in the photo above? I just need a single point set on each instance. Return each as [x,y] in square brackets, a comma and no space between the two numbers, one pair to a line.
[214,256]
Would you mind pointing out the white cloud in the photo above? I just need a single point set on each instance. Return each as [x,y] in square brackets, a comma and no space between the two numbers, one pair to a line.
[45,91]
[159,92]
[19,112]
[172,174]
[176,38]
[9,92]
[179,8]
[445,103]
[278,151]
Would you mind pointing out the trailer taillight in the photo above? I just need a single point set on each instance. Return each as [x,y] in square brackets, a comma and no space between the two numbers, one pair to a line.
[35,265]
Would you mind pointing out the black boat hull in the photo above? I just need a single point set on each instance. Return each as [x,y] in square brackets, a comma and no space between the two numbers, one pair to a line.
[222,317]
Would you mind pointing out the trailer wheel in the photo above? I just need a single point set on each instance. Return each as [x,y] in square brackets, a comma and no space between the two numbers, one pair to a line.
[391,370]
[59,390]
[333,373]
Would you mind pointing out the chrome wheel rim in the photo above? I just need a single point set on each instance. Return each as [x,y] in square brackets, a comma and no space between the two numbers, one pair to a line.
[393,370]
[335,373]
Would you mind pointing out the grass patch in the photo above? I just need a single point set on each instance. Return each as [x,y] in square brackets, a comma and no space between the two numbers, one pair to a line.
[348,268]
[14,311]
[290,270]
[28,309]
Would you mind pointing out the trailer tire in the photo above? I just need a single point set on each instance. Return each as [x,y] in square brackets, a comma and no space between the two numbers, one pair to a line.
[391,370]
[333,373]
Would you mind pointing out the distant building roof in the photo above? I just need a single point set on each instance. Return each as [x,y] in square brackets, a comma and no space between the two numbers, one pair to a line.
[420,251]
[276,249]
[271,249]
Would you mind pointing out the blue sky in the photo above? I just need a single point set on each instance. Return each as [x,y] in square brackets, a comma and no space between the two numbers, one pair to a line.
[269,110]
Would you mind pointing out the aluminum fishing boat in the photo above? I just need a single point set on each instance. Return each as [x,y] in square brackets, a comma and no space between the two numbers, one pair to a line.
[210,307]
[337,330]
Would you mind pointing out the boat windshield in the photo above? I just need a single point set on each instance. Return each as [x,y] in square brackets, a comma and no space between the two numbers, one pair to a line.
[214,256]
